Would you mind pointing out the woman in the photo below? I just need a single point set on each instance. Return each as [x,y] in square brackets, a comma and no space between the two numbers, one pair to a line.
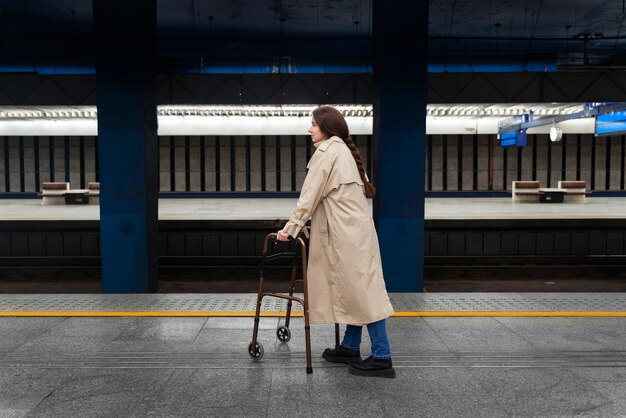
[345,278]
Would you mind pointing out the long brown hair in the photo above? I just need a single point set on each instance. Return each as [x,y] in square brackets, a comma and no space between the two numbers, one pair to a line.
[332,123]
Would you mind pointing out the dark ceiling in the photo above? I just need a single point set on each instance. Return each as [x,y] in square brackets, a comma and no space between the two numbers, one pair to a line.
[325,35]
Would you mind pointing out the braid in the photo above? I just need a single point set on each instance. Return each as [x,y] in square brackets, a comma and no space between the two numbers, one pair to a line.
[370,191]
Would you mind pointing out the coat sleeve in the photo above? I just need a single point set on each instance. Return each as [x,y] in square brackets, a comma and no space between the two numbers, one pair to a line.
[312,192]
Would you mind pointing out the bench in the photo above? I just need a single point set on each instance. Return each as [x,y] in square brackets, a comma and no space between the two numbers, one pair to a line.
[575,190]
[525,191]
[59,193]
[94,192]
[53,193]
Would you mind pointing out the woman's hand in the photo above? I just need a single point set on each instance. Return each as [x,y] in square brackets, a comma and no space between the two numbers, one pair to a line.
[282,236]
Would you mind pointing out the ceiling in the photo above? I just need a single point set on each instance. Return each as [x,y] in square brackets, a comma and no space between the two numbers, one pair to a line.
[325,35]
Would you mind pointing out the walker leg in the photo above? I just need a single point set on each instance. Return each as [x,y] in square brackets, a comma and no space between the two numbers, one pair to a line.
[292,285]
[288,316]
[305,308]
[336,335]
[257,315]
[307,337]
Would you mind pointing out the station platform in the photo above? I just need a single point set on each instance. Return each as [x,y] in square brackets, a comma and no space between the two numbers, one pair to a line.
[460,355]
[212,232]
[514,354]
[271,209]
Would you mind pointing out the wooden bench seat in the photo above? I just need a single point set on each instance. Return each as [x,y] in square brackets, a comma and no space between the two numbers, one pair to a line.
[94,192]
[575,190]
[53,193]
[525,191]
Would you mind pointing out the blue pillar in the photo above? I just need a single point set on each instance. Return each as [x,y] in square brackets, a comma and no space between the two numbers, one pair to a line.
[400,30]
[127,141]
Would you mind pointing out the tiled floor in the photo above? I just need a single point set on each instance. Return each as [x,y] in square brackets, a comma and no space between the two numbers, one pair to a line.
[209,304]
[188,367]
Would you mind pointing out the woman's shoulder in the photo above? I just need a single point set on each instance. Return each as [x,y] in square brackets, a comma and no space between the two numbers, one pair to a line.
[326,153]
[331,144]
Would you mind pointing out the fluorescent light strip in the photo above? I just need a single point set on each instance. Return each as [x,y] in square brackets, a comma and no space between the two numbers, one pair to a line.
[277,120]
[53,112]
[441,110]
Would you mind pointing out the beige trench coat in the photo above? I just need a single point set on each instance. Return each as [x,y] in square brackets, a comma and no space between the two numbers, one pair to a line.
[345,277]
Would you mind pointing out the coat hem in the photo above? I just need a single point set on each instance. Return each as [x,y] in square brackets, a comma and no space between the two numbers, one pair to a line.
[330,321]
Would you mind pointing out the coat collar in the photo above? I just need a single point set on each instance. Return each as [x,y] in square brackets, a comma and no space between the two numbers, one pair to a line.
[323,145]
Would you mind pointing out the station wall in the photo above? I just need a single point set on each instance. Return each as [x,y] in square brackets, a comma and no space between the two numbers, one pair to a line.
[278,163]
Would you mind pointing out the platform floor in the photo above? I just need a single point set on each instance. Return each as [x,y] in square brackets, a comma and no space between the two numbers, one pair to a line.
[461,354]
[272,209]
[488,366]
[244,304]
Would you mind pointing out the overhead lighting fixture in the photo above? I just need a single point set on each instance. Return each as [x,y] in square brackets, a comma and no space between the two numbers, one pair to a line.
[555,133]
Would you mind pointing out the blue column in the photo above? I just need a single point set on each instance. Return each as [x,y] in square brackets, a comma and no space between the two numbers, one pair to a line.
[400,30]
[127,141]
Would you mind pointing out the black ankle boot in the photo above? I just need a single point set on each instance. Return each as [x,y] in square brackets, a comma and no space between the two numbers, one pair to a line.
[373,367]
[341,355]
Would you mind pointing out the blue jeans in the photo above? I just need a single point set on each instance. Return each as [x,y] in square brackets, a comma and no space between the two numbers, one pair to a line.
[378,337]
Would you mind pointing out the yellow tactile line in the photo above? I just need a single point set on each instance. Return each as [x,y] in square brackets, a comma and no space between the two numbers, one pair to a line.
[299,314]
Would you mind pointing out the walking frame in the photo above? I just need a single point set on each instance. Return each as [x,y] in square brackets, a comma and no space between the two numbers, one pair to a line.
[283,333]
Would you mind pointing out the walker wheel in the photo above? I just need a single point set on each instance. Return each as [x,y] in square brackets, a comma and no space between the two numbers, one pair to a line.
[283,333]
[257,352]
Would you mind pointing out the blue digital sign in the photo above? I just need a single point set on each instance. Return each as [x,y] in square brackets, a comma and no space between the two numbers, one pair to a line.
[611,123]
[513,138]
